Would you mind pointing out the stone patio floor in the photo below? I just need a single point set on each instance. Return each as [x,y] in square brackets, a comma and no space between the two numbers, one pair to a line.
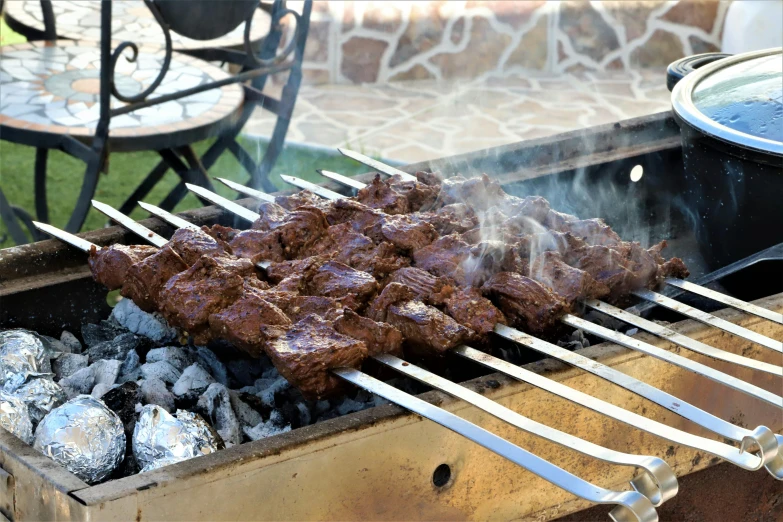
[426,119]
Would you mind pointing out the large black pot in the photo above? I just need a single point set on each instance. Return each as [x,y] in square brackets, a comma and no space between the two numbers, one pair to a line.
[730,112]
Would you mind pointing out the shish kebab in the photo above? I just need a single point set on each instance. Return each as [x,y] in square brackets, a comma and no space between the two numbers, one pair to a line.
[655,485]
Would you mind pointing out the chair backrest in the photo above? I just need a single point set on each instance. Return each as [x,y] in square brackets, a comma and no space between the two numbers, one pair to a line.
[205,19]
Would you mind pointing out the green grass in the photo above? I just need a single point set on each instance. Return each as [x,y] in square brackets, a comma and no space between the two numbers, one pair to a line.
[7,36]
[126,170]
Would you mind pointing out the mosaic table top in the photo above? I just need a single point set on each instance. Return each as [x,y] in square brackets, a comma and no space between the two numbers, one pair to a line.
[53,87]
[131,21]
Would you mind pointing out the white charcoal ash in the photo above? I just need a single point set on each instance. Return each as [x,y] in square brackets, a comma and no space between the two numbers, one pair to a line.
[179,358]
[152,326]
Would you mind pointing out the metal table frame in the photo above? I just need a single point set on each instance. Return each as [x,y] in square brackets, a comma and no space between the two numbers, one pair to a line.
[255,69]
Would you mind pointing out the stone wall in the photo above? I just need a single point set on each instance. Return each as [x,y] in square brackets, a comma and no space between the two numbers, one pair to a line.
[383,41]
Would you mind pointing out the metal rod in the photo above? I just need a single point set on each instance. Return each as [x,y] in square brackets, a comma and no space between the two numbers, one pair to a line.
[658,482]
[673,358]
[729,453]
[726,299]
[168,216]
[227,204]
[377,165]
[704,317]
[345,180]
[769,443]
[130,224]
[312,187]
[631,505]
[683,340]
[247,191]
[62,235]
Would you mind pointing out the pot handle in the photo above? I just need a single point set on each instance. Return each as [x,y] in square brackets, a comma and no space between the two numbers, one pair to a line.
[684,66]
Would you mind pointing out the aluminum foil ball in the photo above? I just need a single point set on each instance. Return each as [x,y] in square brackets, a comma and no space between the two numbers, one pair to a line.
[160,439]
[21,353]
[41,395]
[15,418]
[84,436]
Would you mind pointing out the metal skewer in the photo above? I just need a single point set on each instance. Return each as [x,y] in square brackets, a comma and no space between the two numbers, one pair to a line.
[659,481]
[345,180]
[682,340]
[137,229]
[67,237]
[312,187]
[726,299]
[168,216]
[242,189]
[709,319]
[220,201]
[377,165]
[761,436]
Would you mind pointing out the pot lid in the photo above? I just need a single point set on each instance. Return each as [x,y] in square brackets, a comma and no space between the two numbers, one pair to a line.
[737,99]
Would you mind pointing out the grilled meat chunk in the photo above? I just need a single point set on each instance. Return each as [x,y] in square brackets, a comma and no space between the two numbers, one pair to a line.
[358,216]
[526,303]
[426,330]
[566,281]
[257,245]
[445,257]
[297,307]
[109,265]
[555,220]
[339,281]
[420,196]
[379,337]
[380,195]
[241,322]
[490,257]
[471,309]
[207,287]
[480,192]
[674,267]
[535,208]
[192,244]
[592,232]
[429,178]
[604,264]
[404,232]
[300,199]
[305,352]
[272,217]
[145,279]
[425,286]
[450,219]
[358,251]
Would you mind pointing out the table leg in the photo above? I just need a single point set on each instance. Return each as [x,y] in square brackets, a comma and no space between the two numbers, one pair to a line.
[41,206]
[144,188]
[9,218]
[87,192]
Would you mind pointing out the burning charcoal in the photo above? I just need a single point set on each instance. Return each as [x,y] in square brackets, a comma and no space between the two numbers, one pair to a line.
[349,406]
[79,383]
[122,400]
[160,439]
[67,364]
[152,326]
[154,391]
[41,395]
[304,414]
[162,370]
[106,371]
[21,353]
[243,372]
[575,341]
[267,429]
[84,436]
[289,415]
[51,345]
[178,357]
[215,405]
[209,360]
[321,407]
[131,363]
[71,343]
[245,413]
[267,388]
[195,379]
[116,348]
[100,333]
[101,389]
[15,417]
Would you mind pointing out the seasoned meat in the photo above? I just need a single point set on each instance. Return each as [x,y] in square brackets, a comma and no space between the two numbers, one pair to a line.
[605,265]
[380,195]
[392,293]
[592,231]
[294,268]
[109,265]
[469,308]
[189,298]
[339,281]
[220,232]
[566,281]
[192,244]
[257,246]
[303,227]
[420,196]
[358,251]
[429,178]
[300,199]
[445,257]
[297,307]
[531,207]
[378,337]
[403,232]
[454,218]
[423,284]
[490,257]
[145,279]
[272,217]
[480,192]
[561,242]
[641,265]
[427,330]
[358,216]
[240,323]
[674,267]
[525,302]
[556,220]
[305,352]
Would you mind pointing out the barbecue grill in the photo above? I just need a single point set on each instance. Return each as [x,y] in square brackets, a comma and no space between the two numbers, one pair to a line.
[388,450]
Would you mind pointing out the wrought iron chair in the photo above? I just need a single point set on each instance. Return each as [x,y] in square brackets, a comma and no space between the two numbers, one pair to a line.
[239,95]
